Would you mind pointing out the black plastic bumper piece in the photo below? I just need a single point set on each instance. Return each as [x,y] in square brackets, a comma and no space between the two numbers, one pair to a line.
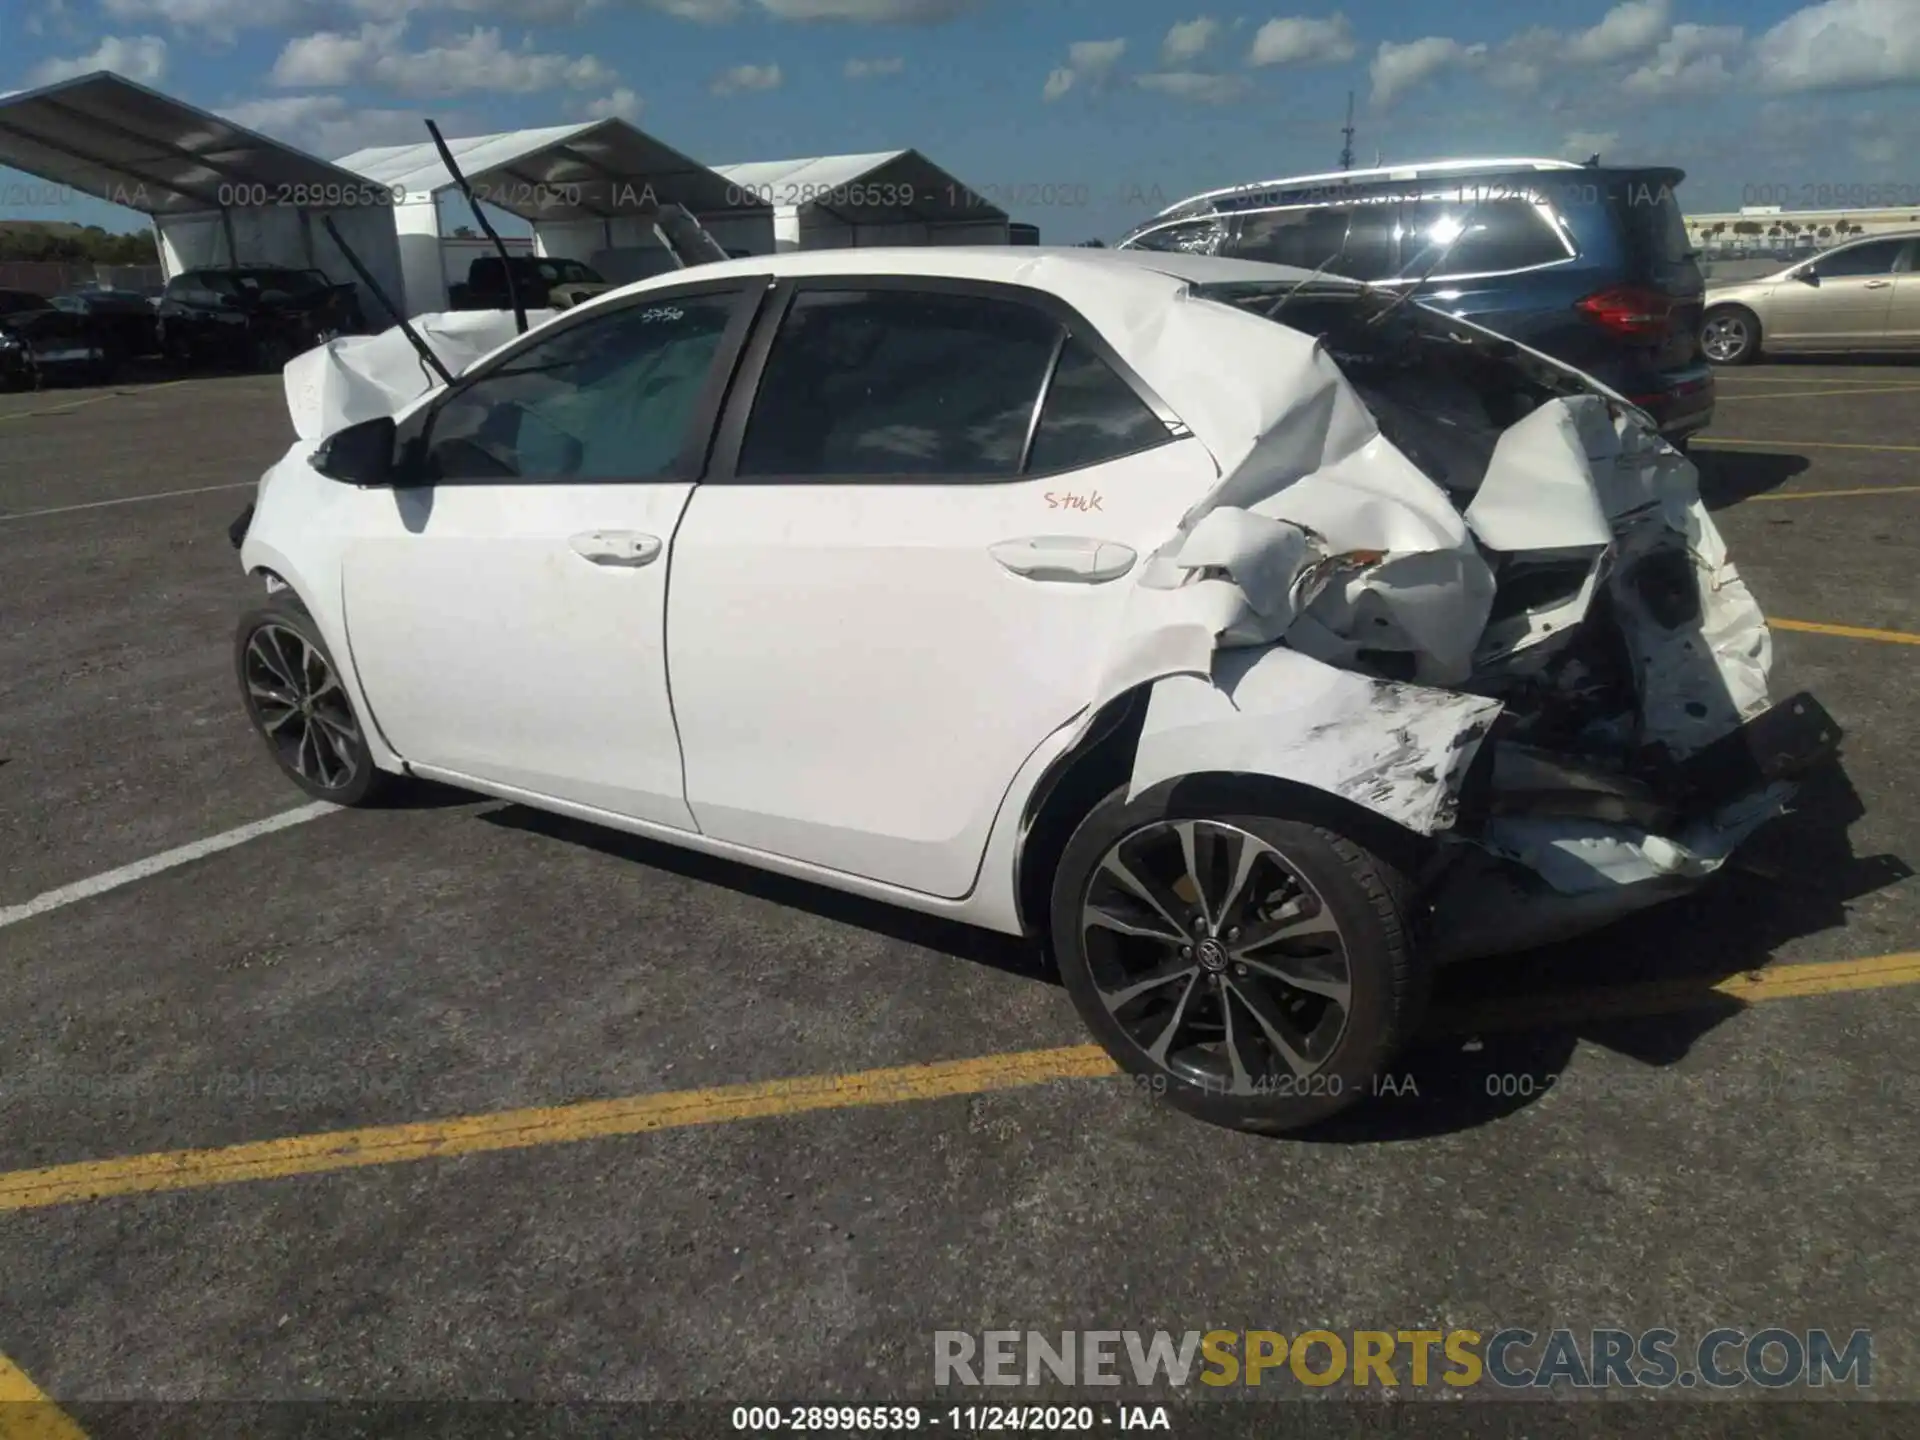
[1787,741]
[237,531]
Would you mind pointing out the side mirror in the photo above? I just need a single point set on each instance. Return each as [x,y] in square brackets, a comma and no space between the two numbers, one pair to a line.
[360,454]
[1807,275]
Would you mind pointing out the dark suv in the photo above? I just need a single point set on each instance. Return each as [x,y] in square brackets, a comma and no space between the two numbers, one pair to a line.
[1588,264]
[254,316]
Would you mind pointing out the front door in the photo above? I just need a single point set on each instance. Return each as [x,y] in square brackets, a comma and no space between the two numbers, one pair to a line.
[1847,306]
[911,575]
[507,615]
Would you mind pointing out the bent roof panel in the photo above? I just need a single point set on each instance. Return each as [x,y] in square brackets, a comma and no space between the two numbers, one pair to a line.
[109,136]
[908,186]
[565,172]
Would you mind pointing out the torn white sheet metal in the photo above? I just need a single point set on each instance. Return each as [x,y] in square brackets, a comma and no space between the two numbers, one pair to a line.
[1579,856]
[1539,492]
[1400,751]
[361,377]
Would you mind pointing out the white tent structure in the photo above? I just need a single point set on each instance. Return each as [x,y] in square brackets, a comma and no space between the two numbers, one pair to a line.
[586,190]
[216,193]
[890,197]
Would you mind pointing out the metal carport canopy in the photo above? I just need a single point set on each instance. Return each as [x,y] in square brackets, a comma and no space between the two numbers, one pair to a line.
[856,188]
[107,136]
[598,170]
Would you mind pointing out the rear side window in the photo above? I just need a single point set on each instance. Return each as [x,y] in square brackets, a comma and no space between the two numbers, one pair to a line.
[1355,241]
[1091,415]
[1471,237]
[899,382]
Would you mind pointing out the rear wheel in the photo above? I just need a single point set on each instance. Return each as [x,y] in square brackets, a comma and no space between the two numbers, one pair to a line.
[1730,335]
[1256,970]
[298,705]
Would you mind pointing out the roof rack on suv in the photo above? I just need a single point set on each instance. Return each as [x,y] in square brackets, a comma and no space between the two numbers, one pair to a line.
[1419,170]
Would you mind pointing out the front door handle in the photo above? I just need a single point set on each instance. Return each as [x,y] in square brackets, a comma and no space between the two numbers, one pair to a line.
[617,547]
[1080,558]
[1879,284]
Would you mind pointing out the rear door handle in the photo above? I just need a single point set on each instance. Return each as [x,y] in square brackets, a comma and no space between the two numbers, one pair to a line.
[616,547]
[1080,558]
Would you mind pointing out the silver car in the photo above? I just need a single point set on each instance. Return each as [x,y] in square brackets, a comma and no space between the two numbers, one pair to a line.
[1864,295]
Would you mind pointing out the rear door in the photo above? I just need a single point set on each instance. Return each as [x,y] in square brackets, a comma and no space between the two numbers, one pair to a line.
[904,570]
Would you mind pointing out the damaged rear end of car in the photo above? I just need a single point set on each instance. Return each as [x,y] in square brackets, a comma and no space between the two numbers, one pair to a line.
[1469,590]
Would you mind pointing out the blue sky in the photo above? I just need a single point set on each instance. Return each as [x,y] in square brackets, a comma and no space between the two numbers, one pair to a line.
[1104,109]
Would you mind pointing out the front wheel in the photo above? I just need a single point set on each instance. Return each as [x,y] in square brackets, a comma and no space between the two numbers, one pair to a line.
[1731,336]
[1258,971]
[298,705]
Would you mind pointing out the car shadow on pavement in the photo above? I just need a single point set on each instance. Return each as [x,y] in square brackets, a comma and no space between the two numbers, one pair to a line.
[929,932]
[1501,1033]
[1728,477]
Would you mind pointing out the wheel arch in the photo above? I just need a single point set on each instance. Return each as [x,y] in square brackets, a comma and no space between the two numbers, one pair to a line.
[1103,759]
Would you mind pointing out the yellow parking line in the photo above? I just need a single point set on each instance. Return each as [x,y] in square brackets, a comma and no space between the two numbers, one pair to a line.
[1712,440]
[1845,632]
[97,399]
[26,1413]
[601,1119]
[1835,494]
[1816,394]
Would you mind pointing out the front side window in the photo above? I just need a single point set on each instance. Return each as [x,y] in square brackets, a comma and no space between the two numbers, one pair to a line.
[1877,258]
[1487,237]
[899,382]
[613,398]
[1189,237]
[1355,241]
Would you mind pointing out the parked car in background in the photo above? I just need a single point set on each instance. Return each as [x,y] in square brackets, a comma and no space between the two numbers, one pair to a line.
[1589,264]
[1864,295]
[1256,642]
[254,317]
[126,321]
[40,343]
[539,282]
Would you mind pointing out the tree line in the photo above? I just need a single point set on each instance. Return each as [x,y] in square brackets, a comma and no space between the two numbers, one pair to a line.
[75,244]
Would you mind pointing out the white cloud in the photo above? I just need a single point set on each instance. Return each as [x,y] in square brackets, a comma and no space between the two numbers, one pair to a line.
[1627,31]
[477,62]
[867,69]
[620,103]
[1397,69]
[1693,60]
[746,77]
[1582,144]
[1193,85]
[219,18]
[138,57]
[1188,40]
[870,12]
[327,125]
[1842,44]
[1088,60]
[1304,40]
[704,12]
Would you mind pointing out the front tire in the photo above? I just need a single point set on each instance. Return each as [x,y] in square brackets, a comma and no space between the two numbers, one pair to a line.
[1730,336]
[299,706]
[1258,971]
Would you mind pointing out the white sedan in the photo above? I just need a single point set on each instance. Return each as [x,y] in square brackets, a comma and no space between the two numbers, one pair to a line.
[1251,640]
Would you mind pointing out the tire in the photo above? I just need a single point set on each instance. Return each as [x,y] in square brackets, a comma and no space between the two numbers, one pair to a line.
[1302,875]
[313,733]
[1734,331]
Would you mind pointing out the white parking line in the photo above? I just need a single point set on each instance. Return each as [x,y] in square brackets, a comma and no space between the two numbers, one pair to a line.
[154,864]
[127,500]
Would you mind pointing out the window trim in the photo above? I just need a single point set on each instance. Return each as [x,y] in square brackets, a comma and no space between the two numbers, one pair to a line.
[723,468]
[750,294]
[1908,252]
